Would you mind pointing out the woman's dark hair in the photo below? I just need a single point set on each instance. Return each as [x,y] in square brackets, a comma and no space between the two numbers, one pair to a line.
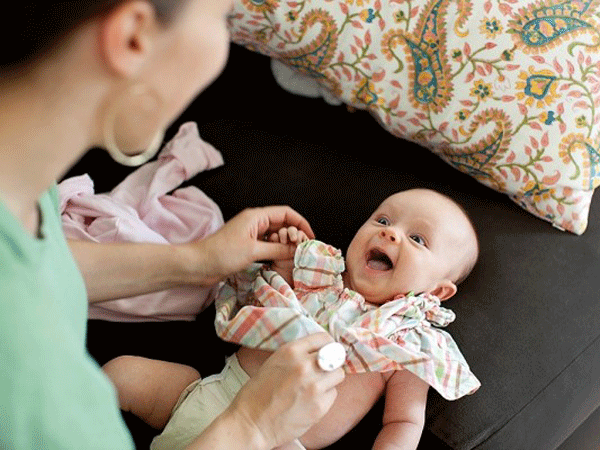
[33,28]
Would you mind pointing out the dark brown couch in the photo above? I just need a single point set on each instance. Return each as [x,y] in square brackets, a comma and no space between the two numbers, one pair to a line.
[527,318]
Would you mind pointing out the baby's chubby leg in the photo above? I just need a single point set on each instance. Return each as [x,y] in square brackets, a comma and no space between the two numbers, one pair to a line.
[149,388]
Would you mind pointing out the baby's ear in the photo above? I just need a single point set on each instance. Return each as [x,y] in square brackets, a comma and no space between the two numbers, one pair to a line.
[444,290]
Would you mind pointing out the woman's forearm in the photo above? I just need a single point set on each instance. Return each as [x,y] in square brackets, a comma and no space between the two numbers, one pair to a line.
[229,431]
[114,271]
[120,270]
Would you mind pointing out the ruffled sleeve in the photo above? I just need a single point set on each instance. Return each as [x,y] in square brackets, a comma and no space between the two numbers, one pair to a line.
[258,309]
[403,335]
[317,265]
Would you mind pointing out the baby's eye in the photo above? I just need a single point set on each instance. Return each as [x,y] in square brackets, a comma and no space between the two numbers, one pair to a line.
[418,239]
[383,221]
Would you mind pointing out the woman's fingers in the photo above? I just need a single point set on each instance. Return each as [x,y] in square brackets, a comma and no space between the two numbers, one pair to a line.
[277,217]
[290,393]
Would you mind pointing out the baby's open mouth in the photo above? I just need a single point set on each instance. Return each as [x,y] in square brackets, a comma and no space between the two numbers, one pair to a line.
[378,260]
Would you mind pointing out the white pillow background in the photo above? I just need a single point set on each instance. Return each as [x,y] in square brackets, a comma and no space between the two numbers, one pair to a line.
[506,91]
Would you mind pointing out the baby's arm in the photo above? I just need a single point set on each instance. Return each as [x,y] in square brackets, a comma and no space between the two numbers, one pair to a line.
[404,413]
[291,236]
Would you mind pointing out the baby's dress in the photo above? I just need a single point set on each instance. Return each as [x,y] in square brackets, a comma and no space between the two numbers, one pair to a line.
[257,308]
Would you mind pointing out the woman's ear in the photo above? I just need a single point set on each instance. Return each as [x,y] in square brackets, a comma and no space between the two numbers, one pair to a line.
[127,36]
[444,290]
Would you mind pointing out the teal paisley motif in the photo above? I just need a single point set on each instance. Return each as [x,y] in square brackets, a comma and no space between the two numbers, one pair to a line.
[261,6]
[474,163]
[366,95]
[431,85]
[547,24]
[314,58]
[594,169]
[535,33]
[480,158]
[425,86]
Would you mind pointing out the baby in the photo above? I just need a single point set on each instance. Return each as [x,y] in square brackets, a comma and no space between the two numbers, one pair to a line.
[380,304]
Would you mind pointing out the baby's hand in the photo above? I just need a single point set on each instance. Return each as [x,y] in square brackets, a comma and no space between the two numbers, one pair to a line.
[289,235]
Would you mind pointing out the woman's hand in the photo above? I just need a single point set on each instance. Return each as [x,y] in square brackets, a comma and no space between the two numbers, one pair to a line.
[289,394]
[242,241]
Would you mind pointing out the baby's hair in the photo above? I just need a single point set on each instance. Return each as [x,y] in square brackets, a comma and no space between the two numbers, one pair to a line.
[475,257]
[38,27]
[470,263]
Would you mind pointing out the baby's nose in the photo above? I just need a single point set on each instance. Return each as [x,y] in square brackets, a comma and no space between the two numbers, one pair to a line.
[389,234]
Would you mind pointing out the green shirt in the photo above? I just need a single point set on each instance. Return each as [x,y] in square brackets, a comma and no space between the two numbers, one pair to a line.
[52,393]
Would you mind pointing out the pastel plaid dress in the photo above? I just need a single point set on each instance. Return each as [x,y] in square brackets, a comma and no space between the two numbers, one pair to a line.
[257,308]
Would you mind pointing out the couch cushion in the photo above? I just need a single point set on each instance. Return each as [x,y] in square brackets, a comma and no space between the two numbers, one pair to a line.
[526,317]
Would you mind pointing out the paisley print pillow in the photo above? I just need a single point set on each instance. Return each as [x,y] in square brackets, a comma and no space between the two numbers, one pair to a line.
[507,91]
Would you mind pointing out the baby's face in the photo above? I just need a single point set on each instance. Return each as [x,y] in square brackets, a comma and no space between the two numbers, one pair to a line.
[417,240]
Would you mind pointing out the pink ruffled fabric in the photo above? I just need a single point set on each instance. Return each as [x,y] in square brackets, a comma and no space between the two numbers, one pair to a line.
[140,209]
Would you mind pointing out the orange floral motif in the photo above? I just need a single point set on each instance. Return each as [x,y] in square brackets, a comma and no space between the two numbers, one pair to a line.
[490,27]
[537,87]
[367,94]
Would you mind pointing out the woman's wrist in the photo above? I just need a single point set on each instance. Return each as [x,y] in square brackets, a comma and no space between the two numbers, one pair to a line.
[248,429]
[228,430]
[198,264]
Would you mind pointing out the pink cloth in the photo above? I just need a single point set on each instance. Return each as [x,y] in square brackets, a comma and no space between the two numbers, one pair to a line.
[140,210]
[257,308]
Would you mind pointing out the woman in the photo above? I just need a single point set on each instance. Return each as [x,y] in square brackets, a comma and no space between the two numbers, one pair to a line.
[114,73]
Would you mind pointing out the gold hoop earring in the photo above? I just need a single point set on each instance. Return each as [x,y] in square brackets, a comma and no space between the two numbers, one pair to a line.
[141,101]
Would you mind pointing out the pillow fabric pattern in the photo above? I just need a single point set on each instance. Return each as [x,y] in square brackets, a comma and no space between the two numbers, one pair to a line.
[506,91]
